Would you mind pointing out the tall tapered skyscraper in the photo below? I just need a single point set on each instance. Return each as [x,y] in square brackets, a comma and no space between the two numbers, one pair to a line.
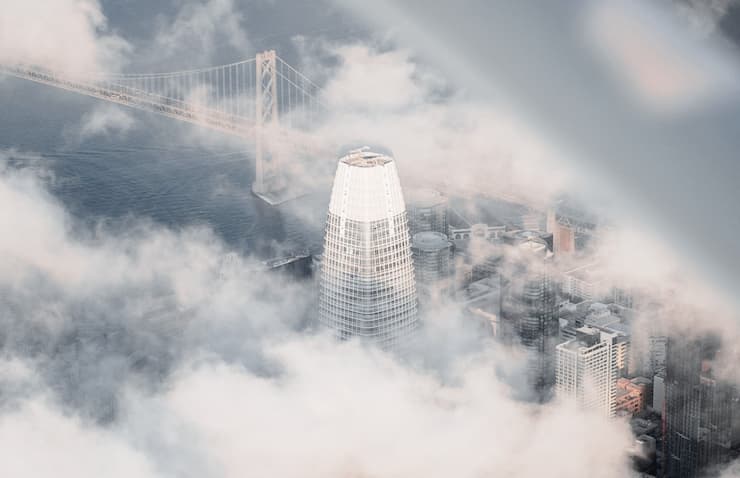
[367,286]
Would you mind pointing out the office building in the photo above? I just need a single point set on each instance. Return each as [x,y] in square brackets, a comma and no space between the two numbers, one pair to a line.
[528,309]
[603,318]
[461,235]
[432,253]
[532,220]
[585,282]
[702,413]
[571,226]
[658,394]
[367,287]
[633,395]
[482,301]
[427,211]
[657,354]
[563,235]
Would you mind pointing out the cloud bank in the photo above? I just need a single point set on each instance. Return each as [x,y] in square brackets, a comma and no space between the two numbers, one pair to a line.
[65,35]
[147,346]
[134,341]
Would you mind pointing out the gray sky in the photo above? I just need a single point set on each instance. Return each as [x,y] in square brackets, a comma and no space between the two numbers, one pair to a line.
[664,156]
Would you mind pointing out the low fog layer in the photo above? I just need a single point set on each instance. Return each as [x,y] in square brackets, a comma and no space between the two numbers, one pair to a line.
[128,348]
[139,347]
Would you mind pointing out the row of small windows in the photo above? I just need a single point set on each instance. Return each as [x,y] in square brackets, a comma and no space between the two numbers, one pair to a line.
[367,285]
[385,338]
[360,275]
[365,245]
[329,319]
[336,235]
[358,312]
[352,304]
[376,229]
[399,321]
[354,259]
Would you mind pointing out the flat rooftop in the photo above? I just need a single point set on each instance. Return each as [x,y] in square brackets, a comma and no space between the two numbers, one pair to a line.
[592,273]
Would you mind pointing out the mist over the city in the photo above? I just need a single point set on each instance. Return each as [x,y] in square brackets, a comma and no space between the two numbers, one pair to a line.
[369,239]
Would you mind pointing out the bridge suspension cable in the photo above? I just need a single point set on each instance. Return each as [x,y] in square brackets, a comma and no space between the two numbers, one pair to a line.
[244,98]
[171,73]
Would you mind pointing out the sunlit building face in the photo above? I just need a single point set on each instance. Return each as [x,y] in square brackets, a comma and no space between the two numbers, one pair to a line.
[367,286]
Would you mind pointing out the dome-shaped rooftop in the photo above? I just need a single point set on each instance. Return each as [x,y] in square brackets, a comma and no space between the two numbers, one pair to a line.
[430,241]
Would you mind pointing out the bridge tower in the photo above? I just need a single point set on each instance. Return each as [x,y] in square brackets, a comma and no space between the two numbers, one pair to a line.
[268,177]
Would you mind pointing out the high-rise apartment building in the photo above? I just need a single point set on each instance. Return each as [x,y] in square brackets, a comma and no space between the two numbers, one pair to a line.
[585,371]
[604,319]
[367,287]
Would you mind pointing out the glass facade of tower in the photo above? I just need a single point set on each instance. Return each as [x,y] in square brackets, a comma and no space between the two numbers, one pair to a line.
[432,253]
[702,413]
[528,310]
[367,287]
[427,211]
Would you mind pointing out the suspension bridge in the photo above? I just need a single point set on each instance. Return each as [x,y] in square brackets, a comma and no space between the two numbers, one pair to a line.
[262,100]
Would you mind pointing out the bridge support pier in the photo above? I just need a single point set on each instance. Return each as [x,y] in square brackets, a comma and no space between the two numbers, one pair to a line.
[269,184]
[216,98]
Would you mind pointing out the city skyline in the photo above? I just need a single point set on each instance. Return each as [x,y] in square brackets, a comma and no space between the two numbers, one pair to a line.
[184,242]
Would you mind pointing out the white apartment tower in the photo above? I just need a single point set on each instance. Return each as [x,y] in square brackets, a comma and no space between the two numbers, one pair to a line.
[586,372]
[367,287]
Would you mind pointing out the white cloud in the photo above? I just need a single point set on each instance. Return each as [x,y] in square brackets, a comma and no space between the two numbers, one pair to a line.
[341,410]
[197,32]
[248,395]
[371,80]
[439,137]
[105,120]
[228,388]
[468,149]
[71,36]
[39,441]
[704,15]
[731,471]
[651,56]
